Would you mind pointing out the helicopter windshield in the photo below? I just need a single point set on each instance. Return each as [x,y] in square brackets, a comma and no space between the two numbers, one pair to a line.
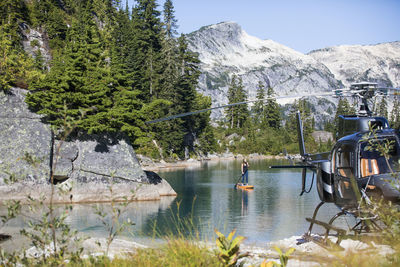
[379,156]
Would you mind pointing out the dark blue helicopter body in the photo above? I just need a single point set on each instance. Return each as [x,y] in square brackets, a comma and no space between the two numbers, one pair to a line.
[354,167]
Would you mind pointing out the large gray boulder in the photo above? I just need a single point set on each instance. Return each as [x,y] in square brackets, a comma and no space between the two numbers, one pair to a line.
[93,157]
[25,142]
[89,165]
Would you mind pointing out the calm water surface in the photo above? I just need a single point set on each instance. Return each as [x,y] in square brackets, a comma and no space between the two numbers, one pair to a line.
[272,211]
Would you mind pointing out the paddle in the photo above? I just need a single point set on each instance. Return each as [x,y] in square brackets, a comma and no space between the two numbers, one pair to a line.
[240,177]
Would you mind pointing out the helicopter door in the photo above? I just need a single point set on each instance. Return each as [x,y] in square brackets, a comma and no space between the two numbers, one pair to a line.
[344,171]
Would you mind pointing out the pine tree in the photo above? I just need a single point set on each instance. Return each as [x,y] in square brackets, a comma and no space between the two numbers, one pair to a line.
[272,110]
[169,53]
[13,13]
[231,110]
[16,68]
[170,22]
[307,120]
[188,67]
[237,115]
[242,110]
[146,54]
[183,98]
[343,108]
[395,114]
[79,79]
[259,107]
[382,108]
[201,127]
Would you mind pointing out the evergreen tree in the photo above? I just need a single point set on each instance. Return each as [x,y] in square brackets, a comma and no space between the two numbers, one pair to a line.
[307,120]
[13,13]
[183,99]
[169,53]
[116,69]
[146,54]
[259,107]
[343,108]
[201,127]
[79,79]
[242,110]
[49,17]
[382,108]
[188,66]
[231,110]
[272,110]
[16,68]
[395,114]
[237,115]
[170,22]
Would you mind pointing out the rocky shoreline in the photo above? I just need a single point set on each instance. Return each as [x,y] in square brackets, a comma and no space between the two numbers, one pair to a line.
[149,164]
[305,254]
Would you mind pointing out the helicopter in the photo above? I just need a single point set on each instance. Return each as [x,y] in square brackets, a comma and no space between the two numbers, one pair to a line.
[356,169]
[353,171]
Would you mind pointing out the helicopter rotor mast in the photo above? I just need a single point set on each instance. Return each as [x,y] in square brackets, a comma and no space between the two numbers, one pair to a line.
[365,91]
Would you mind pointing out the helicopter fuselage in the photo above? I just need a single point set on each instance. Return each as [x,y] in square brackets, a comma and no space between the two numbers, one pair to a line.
[358,164]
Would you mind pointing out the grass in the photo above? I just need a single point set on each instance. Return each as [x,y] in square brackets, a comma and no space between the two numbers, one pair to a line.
[176,252]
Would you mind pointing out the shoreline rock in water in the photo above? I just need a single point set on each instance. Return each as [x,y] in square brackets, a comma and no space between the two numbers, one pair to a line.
[29,156]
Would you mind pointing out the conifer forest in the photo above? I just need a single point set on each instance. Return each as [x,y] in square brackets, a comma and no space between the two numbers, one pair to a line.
[112,67]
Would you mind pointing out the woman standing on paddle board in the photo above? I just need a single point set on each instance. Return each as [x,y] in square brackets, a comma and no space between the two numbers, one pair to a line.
[245,171]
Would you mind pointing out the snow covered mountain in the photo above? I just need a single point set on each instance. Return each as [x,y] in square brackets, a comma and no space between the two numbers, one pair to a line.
[225,49]
[352,63]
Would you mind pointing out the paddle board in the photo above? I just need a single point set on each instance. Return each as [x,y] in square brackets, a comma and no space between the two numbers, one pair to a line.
[245,186]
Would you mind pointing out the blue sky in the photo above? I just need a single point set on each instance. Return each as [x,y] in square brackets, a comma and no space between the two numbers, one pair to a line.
[303,25]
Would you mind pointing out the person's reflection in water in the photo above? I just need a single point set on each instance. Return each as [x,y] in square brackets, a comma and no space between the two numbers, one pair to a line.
[245,202]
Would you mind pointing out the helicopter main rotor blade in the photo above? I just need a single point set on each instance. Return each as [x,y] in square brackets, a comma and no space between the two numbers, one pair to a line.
[300,134]
[303,181]
[231,105]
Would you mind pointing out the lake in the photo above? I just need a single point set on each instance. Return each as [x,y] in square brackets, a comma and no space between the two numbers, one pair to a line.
[207,200]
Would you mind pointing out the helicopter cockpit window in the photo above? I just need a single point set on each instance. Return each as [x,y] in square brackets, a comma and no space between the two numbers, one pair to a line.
[344,159]
[379,156]
[378,125]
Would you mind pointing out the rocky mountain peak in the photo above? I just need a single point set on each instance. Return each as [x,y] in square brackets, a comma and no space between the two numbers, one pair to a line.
[228,30]
[226,49]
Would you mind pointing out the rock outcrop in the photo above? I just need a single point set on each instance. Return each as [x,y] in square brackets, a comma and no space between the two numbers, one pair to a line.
[87,164]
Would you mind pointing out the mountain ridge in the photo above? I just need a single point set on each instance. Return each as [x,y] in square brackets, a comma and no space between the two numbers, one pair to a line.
[226,49]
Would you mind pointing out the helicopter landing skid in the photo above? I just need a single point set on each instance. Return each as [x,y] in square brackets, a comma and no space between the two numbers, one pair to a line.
[366,224]
[325,241]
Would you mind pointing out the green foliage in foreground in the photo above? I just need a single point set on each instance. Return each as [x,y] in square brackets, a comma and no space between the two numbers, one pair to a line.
[229,248]
[283,257]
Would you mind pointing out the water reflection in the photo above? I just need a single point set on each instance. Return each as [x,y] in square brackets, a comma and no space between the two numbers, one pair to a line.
[245,201]
[84,219]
